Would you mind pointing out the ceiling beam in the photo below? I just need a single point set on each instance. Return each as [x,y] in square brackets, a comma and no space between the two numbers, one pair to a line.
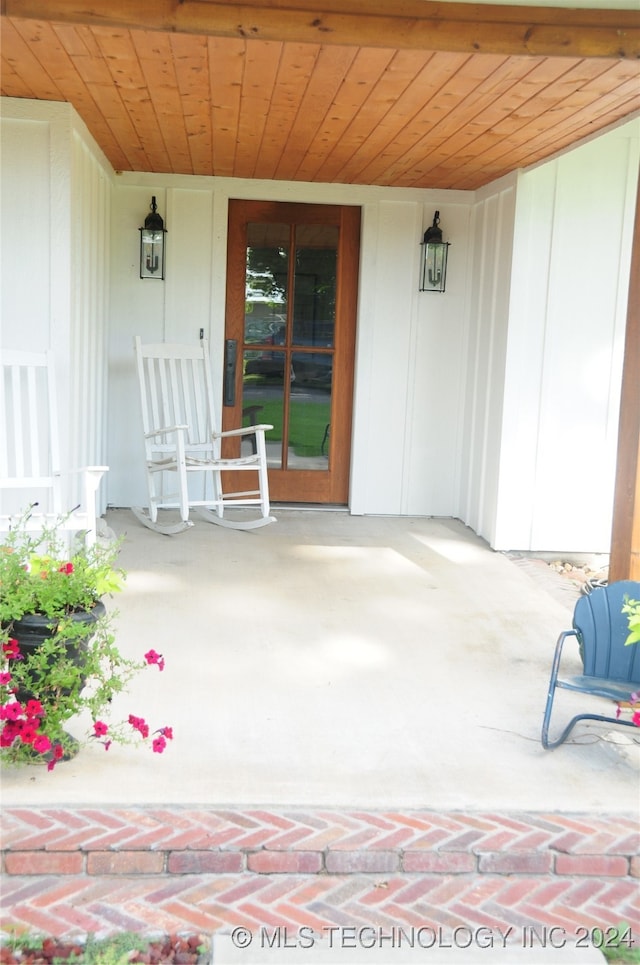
[396,24]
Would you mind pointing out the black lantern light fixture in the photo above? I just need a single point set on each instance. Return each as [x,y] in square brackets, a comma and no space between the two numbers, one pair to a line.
[152,244]
[433,267]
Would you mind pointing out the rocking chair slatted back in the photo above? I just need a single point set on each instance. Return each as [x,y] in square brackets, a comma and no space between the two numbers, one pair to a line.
[178,392]
[30,462]
[181,437]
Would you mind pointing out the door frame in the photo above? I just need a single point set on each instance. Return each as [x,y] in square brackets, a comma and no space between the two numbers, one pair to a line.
[329,486]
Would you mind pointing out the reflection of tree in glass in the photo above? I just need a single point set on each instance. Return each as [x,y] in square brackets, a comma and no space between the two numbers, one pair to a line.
[267,273]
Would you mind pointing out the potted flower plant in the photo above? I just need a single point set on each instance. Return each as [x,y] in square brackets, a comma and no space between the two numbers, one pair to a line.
[59,656]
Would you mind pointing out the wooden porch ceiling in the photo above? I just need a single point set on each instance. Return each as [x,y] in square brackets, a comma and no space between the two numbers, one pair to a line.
[404,93]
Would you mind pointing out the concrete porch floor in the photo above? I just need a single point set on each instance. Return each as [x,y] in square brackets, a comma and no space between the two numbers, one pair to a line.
[357,706]
[331,660]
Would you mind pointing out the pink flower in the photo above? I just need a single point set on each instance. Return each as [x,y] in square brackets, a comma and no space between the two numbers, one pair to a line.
[5,678]
[11,650]
[28,731]
[42,744]
[140,724]
[99,728]
[159,744]
[66,568]
[166,732]
[58,752]
[11,711]
[9,733]
[154,658]
[34,709]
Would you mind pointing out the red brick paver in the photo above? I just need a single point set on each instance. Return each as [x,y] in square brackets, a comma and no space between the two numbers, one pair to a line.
[74,870]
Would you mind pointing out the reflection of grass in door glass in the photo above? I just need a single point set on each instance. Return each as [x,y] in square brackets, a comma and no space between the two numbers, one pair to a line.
[269,413]
[307,424]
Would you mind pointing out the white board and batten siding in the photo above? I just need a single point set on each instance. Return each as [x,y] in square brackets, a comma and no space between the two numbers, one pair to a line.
[567,322]
[55,228]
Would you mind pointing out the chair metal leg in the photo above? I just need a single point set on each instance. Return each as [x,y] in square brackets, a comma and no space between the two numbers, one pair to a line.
[553,687]
[550,745]
[553,681]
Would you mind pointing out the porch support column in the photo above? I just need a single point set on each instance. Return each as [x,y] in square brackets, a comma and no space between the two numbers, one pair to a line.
[624,563]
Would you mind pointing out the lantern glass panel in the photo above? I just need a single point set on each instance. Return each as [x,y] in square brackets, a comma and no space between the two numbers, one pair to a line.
[151,253]
[434,267]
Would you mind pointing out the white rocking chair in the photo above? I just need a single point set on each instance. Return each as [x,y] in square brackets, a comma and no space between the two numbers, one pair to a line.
[32,482]
[181,438]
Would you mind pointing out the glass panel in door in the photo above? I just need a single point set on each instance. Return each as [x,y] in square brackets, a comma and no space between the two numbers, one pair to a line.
[289,340]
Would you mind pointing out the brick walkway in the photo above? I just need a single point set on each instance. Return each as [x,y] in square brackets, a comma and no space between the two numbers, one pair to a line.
[77,870]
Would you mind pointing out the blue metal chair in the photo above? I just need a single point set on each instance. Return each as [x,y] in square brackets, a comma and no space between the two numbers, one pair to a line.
[610,669]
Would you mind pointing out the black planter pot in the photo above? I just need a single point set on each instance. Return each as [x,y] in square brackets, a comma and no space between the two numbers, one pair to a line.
[34,628]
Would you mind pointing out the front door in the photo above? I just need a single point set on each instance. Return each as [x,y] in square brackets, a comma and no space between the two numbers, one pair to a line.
[292,282]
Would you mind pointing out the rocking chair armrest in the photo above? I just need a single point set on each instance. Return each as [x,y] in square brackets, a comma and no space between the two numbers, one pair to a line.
[244,431]
[165,430]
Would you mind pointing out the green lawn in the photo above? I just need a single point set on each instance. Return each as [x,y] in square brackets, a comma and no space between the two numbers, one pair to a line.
[307,424]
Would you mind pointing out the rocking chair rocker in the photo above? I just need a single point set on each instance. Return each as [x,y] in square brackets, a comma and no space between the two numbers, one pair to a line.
[181,438]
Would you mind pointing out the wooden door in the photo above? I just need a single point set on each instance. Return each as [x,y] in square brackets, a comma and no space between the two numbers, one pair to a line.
[292,283]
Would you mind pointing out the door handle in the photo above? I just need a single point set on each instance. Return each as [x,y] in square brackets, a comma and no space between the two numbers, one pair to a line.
[230,356]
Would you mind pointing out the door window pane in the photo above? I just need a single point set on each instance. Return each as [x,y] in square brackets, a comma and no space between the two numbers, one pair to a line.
[309,411]
[314,299]
[263,401]
[266,289]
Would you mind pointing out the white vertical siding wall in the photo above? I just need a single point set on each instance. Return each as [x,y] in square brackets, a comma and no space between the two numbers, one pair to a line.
[189,250]
[386,325]
[91,203]
[435,390]
[25,293]
[56,200]
[567,320]
[485,358]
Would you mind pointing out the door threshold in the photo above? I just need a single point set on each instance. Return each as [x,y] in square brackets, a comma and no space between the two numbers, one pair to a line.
[313,507]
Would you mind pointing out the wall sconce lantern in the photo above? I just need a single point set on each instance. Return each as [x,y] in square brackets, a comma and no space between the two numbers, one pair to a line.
[433,268]
[152,244]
